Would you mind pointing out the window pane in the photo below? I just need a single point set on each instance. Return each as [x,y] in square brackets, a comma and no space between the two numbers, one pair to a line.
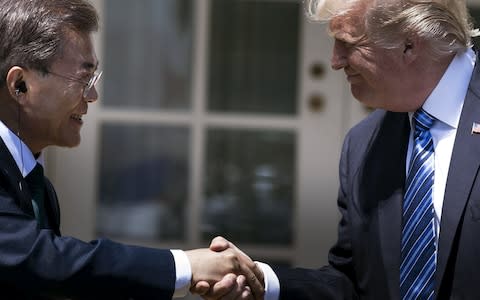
[143,181]
[249,186]
[475,13]
[253,56]
[147,61]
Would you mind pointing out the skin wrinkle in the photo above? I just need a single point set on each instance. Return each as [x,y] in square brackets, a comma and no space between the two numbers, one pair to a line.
[445,25]
[367,64]
[396,73]
[46,118]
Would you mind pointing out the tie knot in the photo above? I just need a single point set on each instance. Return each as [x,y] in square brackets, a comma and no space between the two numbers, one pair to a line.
[423,120]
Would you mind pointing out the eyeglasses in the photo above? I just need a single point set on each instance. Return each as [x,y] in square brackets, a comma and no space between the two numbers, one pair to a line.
[88,85]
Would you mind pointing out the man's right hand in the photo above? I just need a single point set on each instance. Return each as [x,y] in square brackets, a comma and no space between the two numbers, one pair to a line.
[248,285]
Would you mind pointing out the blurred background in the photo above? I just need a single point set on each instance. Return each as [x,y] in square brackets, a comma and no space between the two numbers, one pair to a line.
[215,117]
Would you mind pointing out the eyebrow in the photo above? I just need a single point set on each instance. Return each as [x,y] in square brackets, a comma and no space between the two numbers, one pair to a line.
[89,65]
[347,38]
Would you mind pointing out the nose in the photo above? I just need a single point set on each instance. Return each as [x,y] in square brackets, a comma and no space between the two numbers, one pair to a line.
[339,56]
[92,95]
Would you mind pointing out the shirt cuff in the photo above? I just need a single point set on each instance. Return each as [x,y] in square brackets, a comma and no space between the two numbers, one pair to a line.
[272,284]
[183,272]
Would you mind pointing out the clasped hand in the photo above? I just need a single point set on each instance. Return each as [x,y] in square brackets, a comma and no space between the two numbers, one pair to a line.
[224,272]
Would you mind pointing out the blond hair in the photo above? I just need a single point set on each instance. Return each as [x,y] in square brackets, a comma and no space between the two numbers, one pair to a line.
[444,24]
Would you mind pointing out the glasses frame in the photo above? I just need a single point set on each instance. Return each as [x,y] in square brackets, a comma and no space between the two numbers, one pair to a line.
[88,85]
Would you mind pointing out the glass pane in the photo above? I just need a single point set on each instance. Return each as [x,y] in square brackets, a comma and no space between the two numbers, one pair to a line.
[254,56]
[475,13]
[143,181]
[249,186]
[147,61]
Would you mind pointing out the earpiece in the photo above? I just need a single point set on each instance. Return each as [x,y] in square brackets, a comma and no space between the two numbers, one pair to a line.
[21,87]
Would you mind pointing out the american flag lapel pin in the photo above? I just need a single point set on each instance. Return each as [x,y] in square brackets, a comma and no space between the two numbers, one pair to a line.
[476,128]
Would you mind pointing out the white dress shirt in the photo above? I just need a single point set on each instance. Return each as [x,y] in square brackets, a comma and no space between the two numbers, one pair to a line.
[21,153]
[444,103]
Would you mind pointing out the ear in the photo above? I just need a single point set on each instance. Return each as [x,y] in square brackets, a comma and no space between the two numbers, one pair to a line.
[412,48]
[15,81]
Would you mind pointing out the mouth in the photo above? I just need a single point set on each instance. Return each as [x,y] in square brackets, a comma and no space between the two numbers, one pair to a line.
[351,73]
[77,118]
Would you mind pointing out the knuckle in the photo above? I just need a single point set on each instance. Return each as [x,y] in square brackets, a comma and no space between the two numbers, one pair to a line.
[230,255]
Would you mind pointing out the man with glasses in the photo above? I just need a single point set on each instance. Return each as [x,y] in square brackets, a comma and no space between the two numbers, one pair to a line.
[48,71]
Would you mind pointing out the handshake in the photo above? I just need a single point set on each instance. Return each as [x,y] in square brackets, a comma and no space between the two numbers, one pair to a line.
[224,272]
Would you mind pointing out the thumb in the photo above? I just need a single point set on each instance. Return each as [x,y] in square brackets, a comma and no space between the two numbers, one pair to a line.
[201,288]
[219,244]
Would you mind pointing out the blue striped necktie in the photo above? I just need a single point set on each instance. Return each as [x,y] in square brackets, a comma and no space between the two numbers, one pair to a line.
[417,268]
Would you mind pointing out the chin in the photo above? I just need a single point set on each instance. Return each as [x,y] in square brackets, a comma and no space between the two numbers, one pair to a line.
[69,143]
[364,100]
[359,93]
[74,144]
[367,99]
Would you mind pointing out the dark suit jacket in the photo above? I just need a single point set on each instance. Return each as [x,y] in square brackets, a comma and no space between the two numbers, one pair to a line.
[365,261]
[41,264]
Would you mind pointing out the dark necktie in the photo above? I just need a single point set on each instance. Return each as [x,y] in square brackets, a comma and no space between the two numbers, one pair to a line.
[418,233]
[36,183]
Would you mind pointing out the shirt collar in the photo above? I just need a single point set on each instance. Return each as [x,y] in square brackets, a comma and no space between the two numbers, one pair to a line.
[446,101]
[21,153]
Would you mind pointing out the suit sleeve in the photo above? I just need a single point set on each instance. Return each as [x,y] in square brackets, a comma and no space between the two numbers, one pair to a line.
[42,263]
[336,280]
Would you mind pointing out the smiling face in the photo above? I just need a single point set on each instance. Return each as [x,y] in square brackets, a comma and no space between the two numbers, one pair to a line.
[377,76]
[53,106]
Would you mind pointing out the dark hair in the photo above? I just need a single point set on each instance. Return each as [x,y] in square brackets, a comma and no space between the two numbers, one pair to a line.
[32,32]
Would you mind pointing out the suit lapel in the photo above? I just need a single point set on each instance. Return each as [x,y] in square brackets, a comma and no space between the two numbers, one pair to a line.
[10,174]
[52,208]
[464,166]
[390,212]
[382,187]
[15,180]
